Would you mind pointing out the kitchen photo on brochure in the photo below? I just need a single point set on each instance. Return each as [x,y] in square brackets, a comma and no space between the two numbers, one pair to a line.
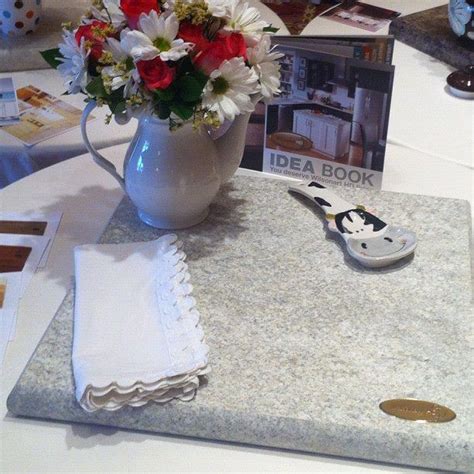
[330,121]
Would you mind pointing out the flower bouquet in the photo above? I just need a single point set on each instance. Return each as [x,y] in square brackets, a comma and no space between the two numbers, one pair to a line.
[199,61]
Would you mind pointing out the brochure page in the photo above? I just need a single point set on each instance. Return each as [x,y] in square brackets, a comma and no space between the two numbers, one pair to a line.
[330,122]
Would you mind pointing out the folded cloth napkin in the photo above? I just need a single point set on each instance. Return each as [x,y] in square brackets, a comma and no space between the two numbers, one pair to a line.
[136,329]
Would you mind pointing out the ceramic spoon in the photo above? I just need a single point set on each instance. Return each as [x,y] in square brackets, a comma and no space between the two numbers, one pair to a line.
[368,239]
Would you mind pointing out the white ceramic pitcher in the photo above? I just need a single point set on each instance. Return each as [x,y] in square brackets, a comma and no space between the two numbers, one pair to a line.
[172,176]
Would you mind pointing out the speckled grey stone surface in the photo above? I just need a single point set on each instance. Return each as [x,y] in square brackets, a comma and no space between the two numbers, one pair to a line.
[429,32]
[304,344]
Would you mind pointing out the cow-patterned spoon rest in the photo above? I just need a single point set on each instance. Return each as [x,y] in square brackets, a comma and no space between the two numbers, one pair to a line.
[368,239]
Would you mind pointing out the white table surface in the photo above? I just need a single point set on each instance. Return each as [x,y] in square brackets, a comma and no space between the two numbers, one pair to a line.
[21,52]
[18,160]
[87,196]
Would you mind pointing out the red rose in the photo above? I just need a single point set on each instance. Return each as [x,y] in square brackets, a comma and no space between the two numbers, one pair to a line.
[155,73]
[234,44]
[222,48]
[132,9]
[95,34]
[193,34]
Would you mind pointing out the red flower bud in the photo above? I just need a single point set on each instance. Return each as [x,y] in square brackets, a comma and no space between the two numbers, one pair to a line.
[132,9]
[156,74]
[224,47]
[193,34]
[95,34]
[234,44]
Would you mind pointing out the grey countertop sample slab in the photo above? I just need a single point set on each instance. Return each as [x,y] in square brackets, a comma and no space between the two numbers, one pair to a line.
[304,343]
[429,31]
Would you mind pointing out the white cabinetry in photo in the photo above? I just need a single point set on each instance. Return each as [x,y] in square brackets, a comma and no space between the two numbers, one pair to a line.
[329,135]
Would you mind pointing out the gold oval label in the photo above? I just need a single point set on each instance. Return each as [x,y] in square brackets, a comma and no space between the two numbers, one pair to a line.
[417,410]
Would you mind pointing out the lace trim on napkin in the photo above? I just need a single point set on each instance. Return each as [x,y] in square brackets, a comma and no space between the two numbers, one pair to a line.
[179,315]
[185,337]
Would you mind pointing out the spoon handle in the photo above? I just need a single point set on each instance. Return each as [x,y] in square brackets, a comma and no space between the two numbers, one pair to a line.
[349,220]
[328,201]
[369,240]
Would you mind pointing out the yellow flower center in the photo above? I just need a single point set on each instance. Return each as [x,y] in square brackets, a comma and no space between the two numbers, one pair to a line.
[162,44]
[220,85]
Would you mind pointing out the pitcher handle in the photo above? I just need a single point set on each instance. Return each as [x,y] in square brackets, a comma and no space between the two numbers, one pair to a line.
[97,157]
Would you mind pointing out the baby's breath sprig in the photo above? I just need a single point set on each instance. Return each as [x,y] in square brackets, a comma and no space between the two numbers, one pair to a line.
[134,100]
[196,12]
[107,81]
[67,25]
[103,32]
[88,44]
[106,58]
[122,67]
[205,118]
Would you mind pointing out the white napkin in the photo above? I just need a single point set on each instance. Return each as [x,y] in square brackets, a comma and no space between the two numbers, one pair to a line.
[136,329]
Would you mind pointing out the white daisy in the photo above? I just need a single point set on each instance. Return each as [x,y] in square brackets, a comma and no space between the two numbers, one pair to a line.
[115,48]
[132,89]
[263,59]
[73,67]
[218,8]
[269,76]
[229,88]
[246,20]
[156,38]
[111,13]
[263,52]
[116,75]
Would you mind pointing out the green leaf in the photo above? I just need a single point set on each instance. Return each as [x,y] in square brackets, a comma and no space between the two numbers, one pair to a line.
[185,65]
[165,94]
[50,56]
[201,77]
[190,89]
[270,29]
[164,110]
[96,88]
[129,63]
[115,98]
[118,107]
[183,111]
